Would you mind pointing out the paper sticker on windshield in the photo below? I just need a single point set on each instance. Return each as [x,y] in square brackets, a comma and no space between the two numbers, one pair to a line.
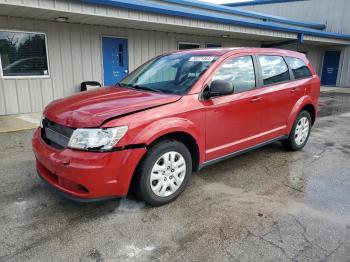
[201,58]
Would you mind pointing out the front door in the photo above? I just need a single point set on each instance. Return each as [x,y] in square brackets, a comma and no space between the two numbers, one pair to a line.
[233,122]
[115,59]
[330,68]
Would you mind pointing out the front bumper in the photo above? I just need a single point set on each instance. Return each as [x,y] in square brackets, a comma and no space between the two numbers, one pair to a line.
[85,176]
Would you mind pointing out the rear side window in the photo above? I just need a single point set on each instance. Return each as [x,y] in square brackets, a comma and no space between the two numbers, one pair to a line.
[274,69]
[299,68]
[239,71]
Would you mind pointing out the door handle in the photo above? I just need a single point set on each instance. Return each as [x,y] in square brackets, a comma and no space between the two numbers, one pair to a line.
[293,90]
[256,98]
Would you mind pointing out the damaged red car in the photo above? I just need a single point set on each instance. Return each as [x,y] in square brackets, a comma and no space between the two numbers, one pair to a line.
[175,114]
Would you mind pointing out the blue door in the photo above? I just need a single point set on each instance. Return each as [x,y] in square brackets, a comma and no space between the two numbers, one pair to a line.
[330,68]
[115,59]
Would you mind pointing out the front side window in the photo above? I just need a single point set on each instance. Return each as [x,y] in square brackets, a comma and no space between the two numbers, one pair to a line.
[239,71]
[23,54]
[299,68]
[274,69]
[174,73]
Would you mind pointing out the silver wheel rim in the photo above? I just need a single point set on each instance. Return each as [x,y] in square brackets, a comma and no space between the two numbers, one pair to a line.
[167,174]
[301,131]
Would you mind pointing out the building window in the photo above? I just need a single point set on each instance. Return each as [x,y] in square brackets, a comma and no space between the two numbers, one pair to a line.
[210,45]
[183,45]
[23,54]
[274,69]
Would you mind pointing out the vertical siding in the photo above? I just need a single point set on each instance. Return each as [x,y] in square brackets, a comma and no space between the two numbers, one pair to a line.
[335,14]
[2,98]
[314,54]
[75,55]
[10,96]
[344,68]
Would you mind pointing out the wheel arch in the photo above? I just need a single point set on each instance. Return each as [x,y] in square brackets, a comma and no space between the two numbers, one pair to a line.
[182,129]
[304,103]
[185,138]
[311,110]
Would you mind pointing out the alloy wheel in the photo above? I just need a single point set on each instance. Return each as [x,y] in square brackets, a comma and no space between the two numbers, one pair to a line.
[301,131]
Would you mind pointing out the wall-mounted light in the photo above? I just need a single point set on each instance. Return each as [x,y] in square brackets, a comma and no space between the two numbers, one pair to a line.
[224,36]
[61,19]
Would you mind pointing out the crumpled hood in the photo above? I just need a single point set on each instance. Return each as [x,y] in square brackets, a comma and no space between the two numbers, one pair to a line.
[92,108]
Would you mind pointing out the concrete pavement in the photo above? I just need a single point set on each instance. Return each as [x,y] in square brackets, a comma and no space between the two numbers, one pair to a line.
[11,123]
[266,205]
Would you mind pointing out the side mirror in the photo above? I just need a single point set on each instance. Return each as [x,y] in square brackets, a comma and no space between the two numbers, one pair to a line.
[219,88]
[89,85]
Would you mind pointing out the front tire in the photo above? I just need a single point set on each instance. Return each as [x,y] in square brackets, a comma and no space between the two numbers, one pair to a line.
[300,132]
[164,173]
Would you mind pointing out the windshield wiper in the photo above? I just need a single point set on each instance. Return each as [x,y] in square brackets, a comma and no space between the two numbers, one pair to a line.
[146,88]
[140,87]
[124,85]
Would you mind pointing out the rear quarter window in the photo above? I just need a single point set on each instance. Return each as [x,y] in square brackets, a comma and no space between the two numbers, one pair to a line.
[299,68]
[274,69]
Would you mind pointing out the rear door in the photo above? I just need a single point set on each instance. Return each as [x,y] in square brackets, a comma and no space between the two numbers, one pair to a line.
[279,94]
[233,121]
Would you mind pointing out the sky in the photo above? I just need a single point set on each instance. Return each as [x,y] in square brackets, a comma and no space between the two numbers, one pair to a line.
[222,1]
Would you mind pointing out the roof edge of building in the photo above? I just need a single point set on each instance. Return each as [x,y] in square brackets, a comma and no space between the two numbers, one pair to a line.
[145,6]
[259,2]
[229,10]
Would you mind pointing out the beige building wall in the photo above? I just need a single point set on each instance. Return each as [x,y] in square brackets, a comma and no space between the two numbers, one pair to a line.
[75,55]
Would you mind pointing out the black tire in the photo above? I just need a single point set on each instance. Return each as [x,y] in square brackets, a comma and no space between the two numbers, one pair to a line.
[290,143]
[143,185]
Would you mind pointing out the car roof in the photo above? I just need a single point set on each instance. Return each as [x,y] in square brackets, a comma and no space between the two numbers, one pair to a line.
[207,51]
[222,51]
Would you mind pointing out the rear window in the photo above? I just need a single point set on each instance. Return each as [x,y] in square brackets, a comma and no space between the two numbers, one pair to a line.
[299,68]
[274,69]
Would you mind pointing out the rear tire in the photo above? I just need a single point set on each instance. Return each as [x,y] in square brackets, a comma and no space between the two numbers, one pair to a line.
[300,132]
[164,172]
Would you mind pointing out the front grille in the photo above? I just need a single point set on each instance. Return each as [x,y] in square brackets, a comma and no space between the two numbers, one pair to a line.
[55,134]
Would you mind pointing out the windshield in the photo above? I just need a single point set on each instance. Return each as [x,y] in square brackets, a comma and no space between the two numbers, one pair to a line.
[173,74]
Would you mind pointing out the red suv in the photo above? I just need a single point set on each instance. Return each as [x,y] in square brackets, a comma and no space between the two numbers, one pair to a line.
[175,114]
